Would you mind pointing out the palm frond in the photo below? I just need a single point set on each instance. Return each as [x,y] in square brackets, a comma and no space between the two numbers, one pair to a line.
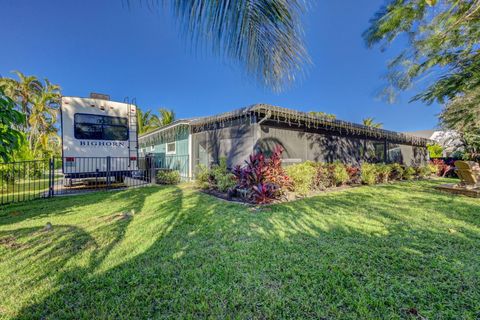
[264,36]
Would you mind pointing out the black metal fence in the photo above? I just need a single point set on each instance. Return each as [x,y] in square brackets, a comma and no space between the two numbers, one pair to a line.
[27,180]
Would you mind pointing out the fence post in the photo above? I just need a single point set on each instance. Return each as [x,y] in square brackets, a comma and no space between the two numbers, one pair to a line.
[51,177]
[108,171]
[151,168]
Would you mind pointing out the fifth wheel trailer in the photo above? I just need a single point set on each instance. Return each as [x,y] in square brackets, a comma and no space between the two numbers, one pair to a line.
[99,136]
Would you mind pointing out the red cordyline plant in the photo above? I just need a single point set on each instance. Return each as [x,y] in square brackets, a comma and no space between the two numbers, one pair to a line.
[262,177]
[443,167]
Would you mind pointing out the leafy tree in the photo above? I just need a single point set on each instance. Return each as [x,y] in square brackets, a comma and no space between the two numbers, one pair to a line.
[166,116]
[370,122]
[11,138]
[264,36]
[321,114]
[39,102]
[442,37]
[462,114]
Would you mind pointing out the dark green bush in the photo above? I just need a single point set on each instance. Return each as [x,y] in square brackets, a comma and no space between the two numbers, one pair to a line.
[217,178]
[423,172]
[409,173]
[396,172]
[168,177]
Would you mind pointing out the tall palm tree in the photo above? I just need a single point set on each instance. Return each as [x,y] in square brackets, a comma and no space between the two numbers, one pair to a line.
[23,90]
[264,36]
[146,121]
[166,116]
[42,119]
[370,122]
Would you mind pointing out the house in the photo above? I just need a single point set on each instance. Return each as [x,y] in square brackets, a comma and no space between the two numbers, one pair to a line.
[185,144]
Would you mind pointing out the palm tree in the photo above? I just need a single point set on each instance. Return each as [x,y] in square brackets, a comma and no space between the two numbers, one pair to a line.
[39,102]
[146,121]
[166,116]
[264,36]
[370,122]
[42,119]
[22,91]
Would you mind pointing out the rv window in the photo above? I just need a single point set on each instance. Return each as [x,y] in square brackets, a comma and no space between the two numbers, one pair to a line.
[171,148]
[98,127]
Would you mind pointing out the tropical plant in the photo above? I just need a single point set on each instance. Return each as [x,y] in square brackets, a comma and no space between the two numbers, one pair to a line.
[370,122]
[263,178]
[11,138]
[264,36]
[442,42]
[443,168]
[42,135]
[39,102]
[146,121]
[166,116]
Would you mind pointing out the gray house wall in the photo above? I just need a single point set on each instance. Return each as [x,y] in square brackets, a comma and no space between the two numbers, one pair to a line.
[300,146]
[235,143]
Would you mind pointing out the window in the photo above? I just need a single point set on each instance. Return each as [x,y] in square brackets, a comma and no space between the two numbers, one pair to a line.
[171,148]
[97,127]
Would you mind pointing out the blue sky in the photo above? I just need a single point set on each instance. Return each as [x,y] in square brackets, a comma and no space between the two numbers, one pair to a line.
[102,46]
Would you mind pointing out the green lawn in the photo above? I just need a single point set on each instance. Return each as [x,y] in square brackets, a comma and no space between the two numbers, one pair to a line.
[393,251]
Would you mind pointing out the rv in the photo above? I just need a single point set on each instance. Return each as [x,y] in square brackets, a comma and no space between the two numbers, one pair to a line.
[99,137]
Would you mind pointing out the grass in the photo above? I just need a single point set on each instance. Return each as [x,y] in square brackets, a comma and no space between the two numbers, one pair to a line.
[393,251]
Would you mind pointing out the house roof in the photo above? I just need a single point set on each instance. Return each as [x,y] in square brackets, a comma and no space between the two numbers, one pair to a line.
[290,116]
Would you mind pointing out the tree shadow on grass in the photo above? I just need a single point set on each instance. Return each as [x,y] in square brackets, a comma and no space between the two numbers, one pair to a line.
[65,205]
[332,256]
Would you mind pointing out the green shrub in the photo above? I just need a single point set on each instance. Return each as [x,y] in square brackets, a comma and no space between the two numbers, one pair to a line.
[383,173]
[434,170]
[368,174]
[396,171]
[339,174]
[409,173]
[423,171]
[168,177]
[218,177]
[202,178]
[302,176]
[225,182]
[321,180]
